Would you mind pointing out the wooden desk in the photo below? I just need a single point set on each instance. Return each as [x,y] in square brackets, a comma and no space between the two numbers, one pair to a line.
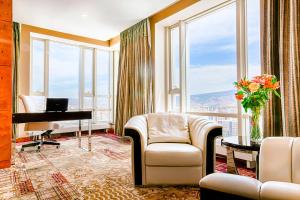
[18,118]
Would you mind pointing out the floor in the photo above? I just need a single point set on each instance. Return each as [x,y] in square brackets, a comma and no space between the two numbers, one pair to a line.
[71,173]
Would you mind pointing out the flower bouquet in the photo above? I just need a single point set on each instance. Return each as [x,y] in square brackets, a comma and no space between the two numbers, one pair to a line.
[253,95]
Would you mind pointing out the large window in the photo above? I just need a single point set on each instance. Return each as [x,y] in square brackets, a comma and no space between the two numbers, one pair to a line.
[64,72]
[82,74]
[211,63]
[207,53]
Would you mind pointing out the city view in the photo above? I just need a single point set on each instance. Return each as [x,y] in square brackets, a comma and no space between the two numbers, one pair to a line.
[217,102]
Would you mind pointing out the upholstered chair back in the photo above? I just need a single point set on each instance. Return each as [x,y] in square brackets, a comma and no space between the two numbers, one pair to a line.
[296,161]
[279,160]
[33,103]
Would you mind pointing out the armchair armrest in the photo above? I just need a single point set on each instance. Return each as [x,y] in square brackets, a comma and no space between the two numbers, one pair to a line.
[203,135]
[136,129]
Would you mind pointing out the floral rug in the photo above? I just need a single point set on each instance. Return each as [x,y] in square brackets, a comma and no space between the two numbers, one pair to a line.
[72,173]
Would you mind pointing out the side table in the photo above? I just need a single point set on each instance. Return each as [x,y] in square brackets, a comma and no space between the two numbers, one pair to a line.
[241,144]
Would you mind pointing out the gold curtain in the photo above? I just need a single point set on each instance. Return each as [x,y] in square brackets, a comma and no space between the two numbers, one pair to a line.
[280,56]
[135,81]
[15,69]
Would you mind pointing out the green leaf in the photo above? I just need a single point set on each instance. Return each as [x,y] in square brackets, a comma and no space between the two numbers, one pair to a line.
[240,92]
[277,94]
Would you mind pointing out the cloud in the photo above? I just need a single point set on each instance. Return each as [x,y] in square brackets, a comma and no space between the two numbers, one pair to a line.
[215,25]
[211,78]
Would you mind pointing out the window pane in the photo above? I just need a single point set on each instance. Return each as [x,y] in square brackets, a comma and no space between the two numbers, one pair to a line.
[230,125]
[211,63]
[88,103]
[88,71]
[175,103]
[102,103]
[103,75]
[253,21]
[38,63]
[102,116]
[64,72]
[175,63]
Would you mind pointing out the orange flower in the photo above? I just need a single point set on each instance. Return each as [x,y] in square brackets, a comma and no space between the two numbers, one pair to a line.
[239,96]
[244,83]
[263,79]
[253,87]
[276,85]
[270,85]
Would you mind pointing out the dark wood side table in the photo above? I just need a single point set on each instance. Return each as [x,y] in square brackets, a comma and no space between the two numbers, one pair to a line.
[241,144]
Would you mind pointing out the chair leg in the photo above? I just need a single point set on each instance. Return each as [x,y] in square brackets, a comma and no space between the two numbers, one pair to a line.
[31,144]
[50,143]
[41,142]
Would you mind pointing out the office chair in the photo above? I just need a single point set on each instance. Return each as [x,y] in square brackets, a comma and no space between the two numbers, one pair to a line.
[47,127]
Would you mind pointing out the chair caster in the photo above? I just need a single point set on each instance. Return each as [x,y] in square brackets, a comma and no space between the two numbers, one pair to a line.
[58,146]
[38,149]
[22,149]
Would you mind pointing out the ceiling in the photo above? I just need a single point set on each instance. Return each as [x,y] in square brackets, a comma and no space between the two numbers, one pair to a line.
[99,19]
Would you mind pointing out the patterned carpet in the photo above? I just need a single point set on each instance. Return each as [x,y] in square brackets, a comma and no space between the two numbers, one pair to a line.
[72,173]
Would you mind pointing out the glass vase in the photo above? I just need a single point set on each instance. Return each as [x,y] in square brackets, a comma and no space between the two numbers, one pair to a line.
[255,129]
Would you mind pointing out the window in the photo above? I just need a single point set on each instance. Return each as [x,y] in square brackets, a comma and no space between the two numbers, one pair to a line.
[103,89]
[38,63]
[211,45]
[175,69]
[211,64]
[88,78]
[80,73]
[64,72]
[253,34]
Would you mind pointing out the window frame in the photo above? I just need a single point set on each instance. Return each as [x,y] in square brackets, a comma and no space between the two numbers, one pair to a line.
[82,94]
[242,61]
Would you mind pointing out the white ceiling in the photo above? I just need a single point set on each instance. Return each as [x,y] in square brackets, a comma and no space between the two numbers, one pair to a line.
[99,19]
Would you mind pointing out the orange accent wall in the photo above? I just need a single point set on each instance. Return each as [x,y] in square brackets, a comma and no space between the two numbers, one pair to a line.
[5,82]
[174,8]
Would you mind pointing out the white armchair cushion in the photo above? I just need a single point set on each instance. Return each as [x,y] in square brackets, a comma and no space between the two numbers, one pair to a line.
[173,154]
[232,184]
[168,127]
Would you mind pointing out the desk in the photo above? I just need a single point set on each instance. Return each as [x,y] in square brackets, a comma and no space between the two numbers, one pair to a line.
[239,143]
[18,118]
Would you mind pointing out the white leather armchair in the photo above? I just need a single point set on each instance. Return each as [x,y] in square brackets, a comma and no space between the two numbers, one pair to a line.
[172,163]
[279,175]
